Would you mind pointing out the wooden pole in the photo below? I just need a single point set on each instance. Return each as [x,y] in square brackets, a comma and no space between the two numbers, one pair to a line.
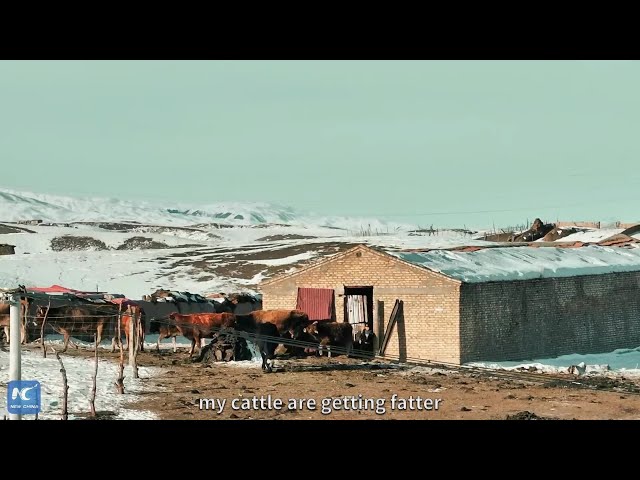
[140,344]
[378,328]
[65,385]
[120,379]
[136,316]
[15,365]
[44,321]
[24,312]
[392,322]
[133,344]
[92,400]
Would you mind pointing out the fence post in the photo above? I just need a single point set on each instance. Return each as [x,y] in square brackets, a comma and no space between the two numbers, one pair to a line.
[15,372]
[133,329]
[120,379]
[44,321]
[378,328]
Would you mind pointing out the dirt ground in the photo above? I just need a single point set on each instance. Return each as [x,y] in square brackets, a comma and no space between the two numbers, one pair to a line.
[461,394]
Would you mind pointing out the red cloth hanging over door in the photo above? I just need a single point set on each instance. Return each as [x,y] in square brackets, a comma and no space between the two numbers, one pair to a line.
[316,302]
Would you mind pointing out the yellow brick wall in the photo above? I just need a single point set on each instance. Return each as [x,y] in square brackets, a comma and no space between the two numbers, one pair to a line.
[431,328]
[279,301]
[431,301]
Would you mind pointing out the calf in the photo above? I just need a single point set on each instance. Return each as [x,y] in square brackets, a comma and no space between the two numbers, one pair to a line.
[165,330]
[332,334]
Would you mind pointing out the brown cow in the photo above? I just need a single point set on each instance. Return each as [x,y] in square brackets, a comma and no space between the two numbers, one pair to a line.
[285,320]
[5,319]
[167,331]
[125,319]
[75,320]
[198,326]
[339,334]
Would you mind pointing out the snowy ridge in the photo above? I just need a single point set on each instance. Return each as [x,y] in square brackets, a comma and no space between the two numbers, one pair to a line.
[16,206]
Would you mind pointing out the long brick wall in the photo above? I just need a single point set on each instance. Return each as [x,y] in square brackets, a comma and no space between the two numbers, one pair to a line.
[521,320]
[431,312]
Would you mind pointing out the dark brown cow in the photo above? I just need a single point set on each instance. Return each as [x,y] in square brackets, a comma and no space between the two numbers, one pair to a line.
[226,306]
[75,320]
[338,334]
[265,336]
[198,326]
[286,321]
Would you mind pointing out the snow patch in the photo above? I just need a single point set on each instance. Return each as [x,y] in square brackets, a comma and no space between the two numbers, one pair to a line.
[621,362]
[132,273]
[287,260]
[79,376]
[591,236]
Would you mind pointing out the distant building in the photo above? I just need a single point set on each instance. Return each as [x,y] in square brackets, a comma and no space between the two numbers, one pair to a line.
[29,222]
[7,249]
[477,304]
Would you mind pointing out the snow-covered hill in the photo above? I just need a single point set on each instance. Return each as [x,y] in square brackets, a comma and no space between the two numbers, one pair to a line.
[131,247]
[17,206]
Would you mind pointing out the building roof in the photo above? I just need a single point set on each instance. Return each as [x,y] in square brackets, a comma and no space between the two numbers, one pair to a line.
[523,263]
[329,259]
[52,289]
[475,265]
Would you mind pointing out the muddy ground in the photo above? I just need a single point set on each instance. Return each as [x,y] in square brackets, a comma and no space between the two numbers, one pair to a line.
[461,394]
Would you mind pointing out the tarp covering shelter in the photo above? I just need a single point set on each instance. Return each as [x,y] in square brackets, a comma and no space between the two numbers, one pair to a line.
[59,289]
[52,289]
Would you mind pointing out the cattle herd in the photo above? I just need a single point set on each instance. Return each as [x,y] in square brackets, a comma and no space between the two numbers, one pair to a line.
[197,320]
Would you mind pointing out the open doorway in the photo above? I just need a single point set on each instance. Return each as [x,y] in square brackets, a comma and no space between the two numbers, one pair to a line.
[358,307]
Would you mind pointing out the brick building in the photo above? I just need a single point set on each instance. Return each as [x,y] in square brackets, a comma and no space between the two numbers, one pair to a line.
[493,304]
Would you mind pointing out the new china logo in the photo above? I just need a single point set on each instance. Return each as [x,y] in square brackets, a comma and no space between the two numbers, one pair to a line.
[23,397]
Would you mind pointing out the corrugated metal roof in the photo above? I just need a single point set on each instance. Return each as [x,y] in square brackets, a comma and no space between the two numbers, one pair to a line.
[496,264]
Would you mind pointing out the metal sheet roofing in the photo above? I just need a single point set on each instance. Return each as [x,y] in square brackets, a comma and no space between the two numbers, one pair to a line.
[522,263]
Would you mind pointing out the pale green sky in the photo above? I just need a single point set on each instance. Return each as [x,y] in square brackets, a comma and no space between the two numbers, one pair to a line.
[394,139]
